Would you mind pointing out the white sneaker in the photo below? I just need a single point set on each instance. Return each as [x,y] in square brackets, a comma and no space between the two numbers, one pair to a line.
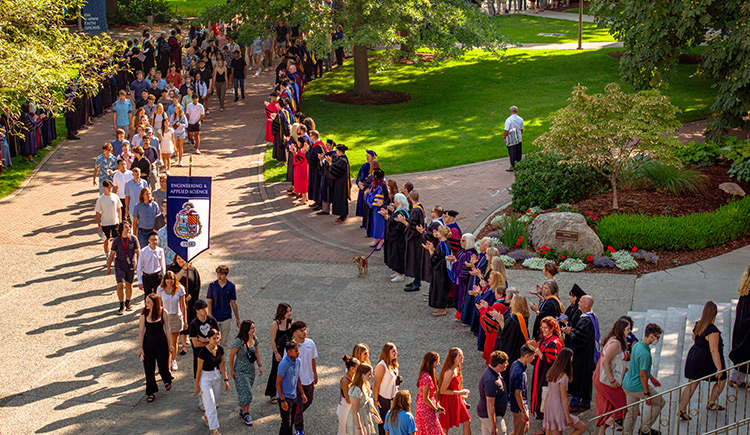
[174,365]
[398,278]
[179,163]
[257,72]
[197,151]
[395,274]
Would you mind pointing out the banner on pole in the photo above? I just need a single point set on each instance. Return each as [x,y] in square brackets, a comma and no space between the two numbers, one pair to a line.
[94,16]
[188,215]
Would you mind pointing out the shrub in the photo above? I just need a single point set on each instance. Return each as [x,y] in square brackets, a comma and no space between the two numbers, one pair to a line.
[500,220]
[536,263]
[573,265]
[508,261]
[542,182]
[740,171]
[521,255]
[603,261]
[646,257]
[677,233]
[515,232]
[736,150]
[565,207]
[136,11]
[669,179]
[624,261]
[698,153]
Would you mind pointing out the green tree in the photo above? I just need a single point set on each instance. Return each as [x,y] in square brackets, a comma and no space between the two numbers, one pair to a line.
[655,32]
[447,27]
[608,131]
[38,55]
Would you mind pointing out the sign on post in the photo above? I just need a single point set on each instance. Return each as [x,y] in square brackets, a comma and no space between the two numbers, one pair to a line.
[94,16]
[188,215]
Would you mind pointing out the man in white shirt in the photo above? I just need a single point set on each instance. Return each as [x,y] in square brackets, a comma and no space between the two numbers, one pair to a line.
[513,136]
[151,265]
[108,208]
[195,113]
[119,180]
[308,372]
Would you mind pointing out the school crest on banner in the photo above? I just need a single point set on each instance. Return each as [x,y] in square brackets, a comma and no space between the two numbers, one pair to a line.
[188,215]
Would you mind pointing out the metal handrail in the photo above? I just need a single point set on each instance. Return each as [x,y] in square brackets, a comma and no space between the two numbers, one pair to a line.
[713,376]
[728,427]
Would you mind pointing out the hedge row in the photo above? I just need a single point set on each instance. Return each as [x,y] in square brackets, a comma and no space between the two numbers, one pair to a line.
[676,233]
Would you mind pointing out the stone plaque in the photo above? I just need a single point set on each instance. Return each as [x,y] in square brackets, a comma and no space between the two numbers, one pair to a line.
[571,236]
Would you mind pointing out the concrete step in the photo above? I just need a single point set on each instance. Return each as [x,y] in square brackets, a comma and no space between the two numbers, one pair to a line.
[673,341]
[724,323]
[659,317]
[639,322]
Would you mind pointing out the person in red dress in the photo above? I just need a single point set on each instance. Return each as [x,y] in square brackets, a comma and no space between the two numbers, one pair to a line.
[452,393]
[272,108]
[426,415]
[491,317]
[301,168]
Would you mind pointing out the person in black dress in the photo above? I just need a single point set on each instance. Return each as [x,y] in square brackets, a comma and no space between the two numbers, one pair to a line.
[189,277]
[280,334]
[154,347]
[740,352]
[439,255]
[395,235]
[706,357]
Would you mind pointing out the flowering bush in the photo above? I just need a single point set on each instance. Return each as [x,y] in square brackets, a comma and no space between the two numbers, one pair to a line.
[592,219]
[565,207]
[603,261]
[572,265]
[536,263]
[502,249]
[500,220]
[521,255]
[628,263]
[647,257]
[533,211]
[508,261]
[515,233]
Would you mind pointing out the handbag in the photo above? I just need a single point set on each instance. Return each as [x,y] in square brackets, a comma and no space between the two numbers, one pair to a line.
[251,354]
[618,371]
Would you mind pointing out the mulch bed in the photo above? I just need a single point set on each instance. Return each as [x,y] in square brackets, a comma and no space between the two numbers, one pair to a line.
[683,58]
[378,98]
[652,203]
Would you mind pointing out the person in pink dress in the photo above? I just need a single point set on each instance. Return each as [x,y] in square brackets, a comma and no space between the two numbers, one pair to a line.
[557,416]
[426,415]
[272,108]
[452,394]
[301,167]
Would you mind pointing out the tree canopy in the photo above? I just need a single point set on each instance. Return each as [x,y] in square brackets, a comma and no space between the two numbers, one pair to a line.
[655,32]
[610,130]
[39,55]
[446,27]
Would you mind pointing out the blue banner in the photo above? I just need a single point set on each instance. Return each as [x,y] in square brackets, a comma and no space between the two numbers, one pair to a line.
[94,16]
[188,215]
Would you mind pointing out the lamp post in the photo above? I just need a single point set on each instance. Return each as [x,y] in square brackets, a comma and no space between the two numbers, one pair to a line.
[580,24]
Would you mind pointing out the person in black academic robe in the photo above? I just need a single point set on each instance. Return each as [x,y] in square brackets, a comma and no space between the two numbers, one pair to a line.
[413,240]
[513,334]
[148,52]
[549,307]
[429,238]
[583,339]
[740,351]
[573,312]
[441,274]
[337,167]
[364,171]
[281,132]
[316,169]
[395,240]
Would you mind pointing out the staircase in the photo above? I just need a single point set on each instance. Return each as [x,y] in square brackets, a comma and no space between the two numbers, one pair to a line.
[669,356]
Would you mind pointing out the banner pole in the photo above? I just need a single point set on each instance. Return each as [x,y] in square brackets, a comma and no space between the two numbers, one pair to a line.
[190,167]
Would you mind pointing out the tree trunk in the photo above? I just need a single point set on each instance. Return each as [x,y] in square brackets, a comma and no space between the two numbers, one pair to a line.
[405,48]
[613,181]
[361,72]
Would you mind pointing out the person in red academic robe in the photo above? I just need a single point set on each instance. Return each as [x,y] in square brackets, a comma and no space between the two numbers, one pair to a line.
[301,168]
[272,109]
[491,316]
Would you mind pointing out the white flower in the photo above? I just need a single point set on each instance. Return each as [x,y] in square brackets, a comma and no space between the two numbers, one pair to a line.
[536,263]
[572,265]
[508,261]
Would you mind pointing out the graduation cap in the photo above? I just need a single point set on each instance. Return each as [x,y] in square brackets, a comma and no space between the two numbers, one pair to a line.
[372,153]
[342,147]
[577,292]
[378,173]
[452,213]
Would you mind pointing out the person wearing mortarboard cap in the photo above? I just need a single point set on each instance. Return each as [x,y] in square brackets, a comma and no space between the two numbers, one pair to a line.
[364,171]
[454,241]
[337,169]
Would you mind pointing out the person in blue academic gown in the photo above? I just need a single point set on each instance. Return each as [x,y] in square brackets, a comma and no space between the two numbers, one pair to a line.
[364,171]
[376,197]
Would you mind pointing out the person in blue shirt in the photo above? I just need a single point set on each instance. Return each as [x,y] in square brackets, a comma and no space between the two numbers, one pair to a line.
[122,112]
[222,300]
[636,380]
[399,421]
[517,391]
[288,386]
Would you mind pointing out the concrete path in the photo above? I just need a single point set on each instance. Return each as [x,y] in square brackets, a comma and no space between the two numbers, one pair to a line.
[559,16]
[572,45]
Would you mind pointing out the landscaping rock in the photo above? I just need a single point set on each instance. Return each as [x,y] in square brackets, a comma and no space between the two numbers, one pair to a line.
[565,231]
[732,189]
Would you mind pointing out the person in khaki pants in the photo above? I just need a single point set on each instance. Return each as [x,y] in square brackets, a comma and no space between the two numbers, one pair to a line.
[636,384]
[222,301]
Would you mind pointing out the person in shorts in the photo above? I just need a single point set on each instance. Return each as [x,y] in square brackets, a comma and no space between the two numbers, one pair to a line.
[195,113]
[124,252]
[108,209]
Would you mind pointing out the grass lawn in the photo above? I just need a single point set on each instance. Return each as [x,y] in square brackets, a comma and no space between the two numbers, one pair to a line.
[457,110]
[11,178]
[193,8]
[526,28]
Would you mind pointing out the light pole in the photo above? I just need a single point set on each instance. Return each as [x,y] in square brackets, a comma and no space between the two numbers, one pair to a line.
[580,24]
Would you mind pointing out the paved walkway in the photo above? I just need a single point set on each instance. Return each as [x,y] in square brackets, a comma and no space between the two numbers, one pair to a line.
[560,16]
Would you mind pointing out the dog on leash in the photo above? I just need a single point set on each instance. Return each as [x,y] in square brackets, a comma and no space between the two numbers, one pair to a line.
[361,263]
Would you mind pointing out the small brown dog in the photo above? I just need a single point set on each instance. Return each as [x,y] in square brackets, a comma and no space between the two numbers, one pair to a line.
[361,263]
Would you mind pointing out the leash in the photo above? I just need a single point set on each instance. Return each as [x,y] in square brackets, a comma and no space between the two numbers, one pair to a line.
[373,251]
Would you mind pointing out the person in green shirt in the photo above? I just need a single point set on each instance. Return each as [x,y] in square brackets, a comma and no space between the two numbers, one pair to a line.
[636,384]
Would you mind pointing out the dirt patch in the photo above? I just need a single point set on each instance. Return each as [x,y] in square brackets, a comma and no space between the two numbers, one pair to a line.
[378,98]
[682,59]
[652,203]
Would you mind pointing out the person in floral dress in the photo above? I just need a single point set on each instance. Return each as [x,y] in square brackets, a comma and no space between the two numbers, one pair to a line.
[427,405]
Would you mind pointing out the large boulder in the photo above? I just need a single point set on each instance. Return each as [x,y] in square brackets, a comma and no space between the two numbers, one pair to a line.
[564,231]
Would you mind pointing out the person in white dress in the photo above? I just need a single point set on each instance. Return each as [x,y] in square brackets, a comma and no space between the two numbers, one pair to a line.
[166,146]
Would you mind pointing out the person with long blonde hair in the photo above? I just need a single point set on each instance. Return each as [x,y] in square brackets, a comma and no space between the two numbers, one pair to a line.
[345,404]
[172,294]
[515,331]
[386,381]
[740,352]
[428,406]
[362,352]
[363,411]
[399,420]
[492,310]
[179,124]
[704,358]
[452,395]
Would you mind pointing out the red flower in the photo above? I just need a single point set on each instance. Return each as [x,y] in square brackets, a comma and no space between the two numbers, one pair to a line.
[590,213]
[533,215]
[562,256]
[520,240]
[528,210]
[635,249]
[593,219]
[610,249]
[590,258]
